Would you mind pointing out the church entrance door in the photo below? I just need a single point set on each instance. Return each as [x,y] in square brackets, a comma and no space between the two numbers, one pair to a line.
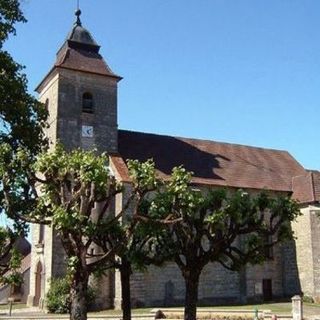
[37,294]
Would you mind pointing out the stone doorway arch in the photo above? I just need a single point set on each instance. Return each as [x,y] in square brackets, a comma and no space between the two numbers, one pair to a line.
[38,283]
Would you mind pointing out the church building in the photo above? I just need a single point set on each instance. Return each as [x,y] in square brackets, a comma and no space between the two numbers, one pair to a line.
[80,92]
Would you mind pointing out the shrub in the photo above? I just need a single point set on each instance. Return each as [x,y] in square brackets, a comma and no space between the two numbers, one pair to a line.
[58,300]
[308,299]
[58,296]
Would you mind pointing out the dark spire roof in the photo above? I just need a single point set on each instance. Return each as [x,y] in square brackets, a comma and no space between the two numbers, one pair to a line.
[79,37]
[80,52]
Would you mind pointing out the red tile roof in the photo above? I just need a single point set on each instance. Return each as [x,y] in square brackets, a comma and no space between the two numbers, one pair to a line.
[316,185]
[306,187]
[213,163]
[83,60]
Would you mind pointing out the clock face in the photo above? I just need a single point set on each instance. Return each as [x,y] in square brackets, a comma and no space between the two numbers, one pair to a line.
[87,131]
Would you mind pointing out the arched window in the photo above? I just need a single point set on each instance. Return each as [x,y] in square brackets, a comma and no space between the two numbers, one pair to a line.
[87,102]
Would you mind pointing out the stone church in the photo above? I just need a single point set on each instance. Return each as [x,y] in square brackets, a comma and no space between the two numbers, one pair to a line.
[80,92]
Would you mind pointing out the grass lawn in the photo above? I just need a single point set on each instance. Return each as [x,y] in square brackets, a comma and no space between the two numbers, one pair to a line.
[14,306]
[119,312]
[283,308]
[280,308]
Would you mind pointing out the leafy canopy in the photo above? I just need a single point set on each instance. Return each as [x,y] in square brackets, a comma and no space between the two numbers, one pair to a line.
[229,227]
[22,119]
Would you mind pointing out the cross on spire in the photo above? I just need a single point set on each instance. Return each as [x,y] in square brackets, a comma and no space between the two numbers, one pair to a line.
[78,14]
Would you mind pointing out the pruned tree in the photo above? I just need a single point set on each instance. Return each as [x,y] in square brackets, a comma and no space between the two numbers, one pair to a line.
[77,191]
[73,192]
[227,227]
[129,238]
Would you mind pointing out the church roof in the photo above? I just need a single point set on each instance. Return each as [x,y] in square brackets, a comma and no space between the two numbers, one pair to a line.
[306,187]
[212,163]
[83,60]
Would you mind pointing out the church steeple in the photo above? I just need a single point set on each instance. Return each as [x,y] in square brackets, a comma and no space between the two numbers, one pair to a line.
[81,38]
[81,92]
[81,52]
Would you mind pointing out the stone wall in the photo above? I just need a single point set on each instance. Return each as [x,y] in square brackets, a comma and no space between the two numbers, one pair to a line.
[306,229]
[62,92]
[72,86]
[22,296]
[291,282]
[315,236]
[270,270]
[165,286]
[49,96]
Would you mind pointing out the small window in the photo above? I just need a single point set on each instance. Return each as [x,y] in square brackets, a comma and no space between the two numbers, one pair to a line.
[87,102]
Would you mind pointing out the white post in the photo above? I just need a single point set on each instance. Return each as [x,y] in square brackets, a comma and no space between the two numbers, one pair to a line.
[297,312]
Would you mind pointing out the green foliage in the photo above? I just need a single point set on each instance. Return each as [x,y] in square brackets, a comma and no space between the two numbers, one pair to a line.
[77,193]
[143,175]
[73,183]
[10,13]
[13,276]
[194,227]
[58,296]
[205,225]
[22,119]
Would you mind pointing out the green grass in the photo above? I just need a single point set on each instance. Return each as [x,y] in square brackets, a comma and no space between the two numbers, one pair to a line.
[315,305]
[14,306]
[283,308]
[274,307]
[119,312]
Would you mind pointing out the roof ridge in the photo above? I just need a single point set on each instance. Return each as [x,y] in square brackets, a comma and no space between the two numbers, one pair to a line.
[207,140]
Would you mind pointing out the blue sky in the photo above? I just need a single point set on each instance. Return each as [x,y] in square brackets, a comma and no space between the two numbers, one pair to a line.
[239,71]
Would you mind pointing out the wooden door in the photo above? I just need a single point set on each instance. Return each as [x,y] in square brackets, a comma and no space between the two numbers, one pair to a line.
[267,289]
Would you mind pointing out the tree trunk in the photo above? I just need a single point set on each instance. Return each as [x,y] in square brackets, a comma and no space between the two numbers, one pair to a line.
[191,298]
[125,272]
[78,296]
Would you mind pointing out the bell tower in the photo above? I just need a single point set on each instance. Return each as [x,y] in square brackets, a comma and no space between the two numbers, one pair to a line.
[80,92]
